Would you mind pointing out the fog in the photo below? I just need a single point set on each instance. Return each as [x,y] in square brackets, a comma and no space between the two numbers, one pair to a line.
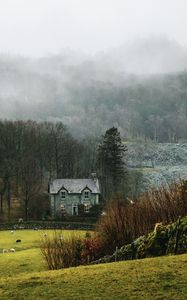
[96,64]
[40,27]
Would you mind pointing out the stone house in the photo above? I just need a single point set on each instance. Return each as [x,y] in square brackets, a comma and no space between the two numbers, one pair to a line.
[73,196]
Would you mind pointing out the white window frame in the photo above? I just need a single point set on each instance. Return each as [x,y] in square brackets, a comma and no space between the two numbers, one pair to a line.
[86,194]
[86,208]
[62,206]
[62,194]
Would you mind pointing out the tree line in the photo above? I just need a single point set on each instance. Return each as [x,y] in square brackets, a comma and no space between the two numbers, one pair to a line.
[31,153]
[89,99]
[153,108]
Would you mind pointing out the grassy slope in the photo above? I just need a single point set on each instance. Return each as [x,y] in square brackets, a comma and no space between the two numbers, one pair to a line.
[153,278]
[23,275]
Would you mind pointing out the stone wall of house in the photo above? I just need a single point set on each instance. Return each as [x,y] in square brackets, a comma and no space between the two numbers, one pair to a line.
[70,204]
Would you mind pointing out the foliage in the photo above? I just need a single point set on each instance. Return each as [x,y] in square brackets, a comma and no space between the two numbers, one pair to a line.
[60,252]
[39,207]
[161,241]
[95,210]
[110,159]
[31,153]
[92,249]
[93,214]
[126,220]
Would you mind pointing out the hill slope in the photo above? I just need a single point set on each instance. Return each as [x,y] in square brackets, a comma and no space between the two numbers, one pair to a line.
[159,163]
[92,94]
[156,278]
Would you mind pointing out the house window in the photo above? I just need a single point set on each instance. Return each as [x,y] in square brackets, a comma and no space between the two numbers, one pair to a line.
[63,195]
[62,207]
[86,194]
[86,208]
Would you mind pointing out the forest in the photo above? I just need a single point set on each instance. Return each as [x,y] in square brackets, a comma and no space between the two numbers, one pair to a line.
[56,109]
[31,154]
[91,94]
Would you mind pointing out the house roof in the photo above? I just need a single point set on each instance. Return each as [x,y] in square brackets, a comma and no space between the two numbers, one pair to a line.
[74,186]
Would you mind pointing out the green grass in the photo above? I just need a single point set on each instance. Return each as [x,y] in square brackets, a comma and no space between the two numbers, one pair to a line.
[23,275]
[27,257]
[153,278]
[25,261]
[29,238]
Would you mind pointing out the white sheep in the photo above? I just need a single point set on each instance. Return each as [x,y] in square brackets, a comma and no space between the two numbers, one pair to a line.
[12,231]
[12,250]
[5,250]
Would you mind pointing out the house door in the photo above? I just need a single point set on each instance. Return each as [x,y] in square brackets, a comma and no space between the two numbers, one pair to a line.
[74,210]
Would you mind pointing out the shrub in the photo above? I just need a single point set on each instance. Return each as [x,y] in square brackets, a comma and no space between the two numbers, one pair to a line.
[64,253]
[61,253]
[114,227]
[92,249]
[159,242]
[126,220]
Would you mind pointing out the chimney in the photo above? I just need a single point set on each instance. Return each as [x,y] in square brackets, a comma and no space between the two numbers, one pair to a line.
[50,182]
[93,176]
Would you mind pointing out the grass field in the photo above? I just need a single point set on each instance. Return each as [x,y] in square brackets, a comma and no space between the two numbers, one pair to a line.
[27,257]
[29,238]
[23,275]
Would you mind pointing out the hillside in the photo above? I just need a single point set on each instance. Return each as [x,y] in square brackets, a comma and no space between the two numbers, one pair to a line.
[24,275]
[155,278]
[140,89]
[159,163]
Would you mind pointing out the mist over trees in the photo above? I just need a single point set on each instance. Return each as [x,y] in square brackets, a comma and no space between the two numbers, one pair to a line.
[72,100]
[92,94]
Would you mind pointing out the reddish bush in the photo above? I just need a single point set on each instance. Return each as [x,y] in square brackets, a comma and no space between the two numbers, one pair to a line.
[92,249]
[126,220]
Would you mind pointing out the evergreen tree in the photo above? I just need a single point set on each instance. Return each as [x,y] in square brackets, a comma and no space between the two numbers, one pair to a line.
[111,162]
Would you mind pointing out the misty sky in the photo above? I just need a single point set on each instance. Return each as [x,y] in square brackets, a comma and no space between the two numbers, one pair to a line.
[40,27]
